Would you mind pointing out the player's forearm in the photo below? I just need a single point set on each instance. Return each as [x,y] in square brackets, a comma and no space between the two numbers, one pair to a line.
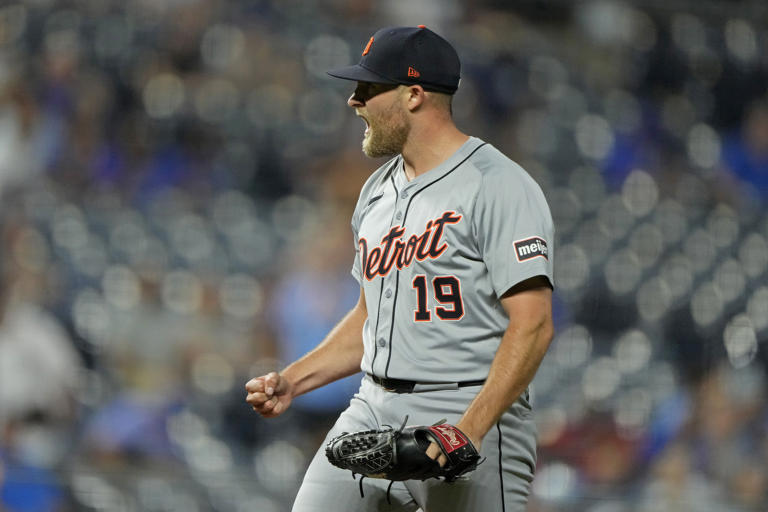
[519,355]
[337,356]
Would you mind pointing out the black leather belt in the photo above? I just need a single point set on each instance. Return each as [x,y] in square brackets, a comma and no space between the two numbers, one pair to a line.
[409,386]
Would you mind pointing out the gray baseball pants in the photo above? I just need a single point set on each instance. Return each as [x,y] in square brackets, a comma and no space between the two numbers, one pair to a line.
[501,483]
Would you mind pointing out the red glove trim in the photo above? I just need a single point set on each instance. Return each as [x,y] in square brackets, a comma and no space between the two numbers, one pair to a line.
[450,437]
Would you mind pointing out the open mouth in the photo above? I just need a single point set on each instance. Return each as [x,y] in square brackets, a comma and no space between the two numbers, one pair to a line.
[367,124]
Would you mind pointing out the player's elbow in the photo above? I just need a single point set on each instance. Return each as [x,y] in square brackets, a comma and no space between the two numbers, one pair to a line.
[537,330]
[547,332]
[543,331]
[540,332]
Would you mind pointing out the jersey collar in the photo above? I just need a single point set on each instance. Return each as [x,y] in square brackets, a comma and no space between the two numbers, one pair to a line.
[402,183]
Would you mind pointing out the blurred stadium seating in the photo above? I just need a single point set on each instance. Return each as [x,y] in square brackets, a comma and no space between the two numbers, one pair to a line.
[177,179]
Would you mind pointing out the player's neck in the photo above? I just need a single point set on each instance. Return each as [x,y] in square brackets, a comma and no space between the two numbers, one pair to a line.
[429,146]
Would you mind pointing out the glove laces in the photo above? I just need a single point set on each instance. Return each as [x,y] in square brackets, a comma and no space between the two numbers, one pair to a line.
[362,494]
[391,482]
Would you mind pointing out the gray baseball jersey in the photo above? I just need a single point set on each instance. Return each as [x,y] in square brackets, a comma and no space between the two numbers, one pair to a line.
[433,257]
[435,254]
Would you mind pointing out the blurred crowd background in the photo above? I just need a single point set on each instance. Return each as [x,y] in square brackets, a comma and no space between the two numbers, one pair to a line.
[176,183]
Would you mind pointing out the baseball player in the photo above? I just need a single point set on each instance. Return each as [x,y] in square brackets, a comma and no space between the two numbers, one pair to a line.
[454,259]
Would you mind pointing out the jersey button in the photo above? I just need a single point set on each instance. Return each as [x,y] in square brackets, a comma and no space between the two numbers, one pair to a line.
[399,215]
[403,194]
[382,342]
[388,293]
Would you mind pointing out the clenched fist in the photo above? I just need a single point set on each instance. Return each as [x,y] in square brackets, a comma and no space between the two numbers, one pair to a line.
[269,395]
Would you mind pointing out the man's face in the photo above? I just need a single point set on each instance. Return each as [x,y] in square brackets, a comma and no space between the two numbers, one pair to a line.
[387,123]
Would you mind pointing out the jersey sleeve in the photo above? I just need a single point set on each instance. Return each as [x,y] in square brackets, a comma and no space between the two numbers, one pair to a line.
[513,227]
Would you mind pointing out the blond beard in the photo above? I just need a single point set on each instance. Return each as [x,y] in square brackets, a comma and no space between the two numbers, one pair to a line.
[387,135]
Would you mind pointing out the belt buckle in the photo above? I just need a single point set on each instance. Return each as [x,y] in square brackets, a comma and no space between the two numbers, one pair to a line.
[391,389]
[380,382]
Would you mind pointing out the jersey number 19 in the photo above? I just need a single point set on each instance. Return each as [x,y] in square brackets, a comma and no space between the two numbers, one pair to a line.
[447,292]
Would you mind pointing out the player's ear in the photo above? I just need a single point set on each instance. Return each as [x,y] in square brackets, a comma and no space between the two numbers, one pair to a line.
[415,97]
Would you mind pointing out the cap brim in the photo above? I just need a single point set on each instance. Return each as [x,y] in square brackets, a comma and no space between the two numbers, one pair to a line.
[360,74]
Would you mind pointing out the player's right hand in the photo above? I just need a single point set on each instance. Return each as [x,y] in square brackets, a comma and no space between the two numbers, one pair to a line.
[269,395]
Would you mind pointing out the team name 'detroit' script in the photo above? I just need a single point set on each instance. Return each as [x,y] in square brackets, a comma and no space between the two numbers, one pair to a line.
[395,252]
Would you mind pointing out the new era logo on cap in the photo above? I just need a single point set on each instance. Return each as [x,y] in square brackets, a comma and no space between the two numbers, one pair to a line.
[530,248]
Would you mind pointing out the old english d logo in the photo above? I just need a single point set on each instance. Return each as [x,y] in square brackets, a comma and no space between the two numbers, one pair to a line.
[368,47]
[413,73]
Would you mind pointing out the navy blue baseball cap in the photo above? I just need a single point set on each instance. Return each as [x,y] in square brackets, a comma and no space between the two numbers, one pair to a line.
[407,55]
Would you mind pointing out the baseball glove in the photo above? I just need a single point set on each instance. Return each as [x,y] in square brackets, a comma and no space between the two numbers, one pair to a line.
[401,454]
